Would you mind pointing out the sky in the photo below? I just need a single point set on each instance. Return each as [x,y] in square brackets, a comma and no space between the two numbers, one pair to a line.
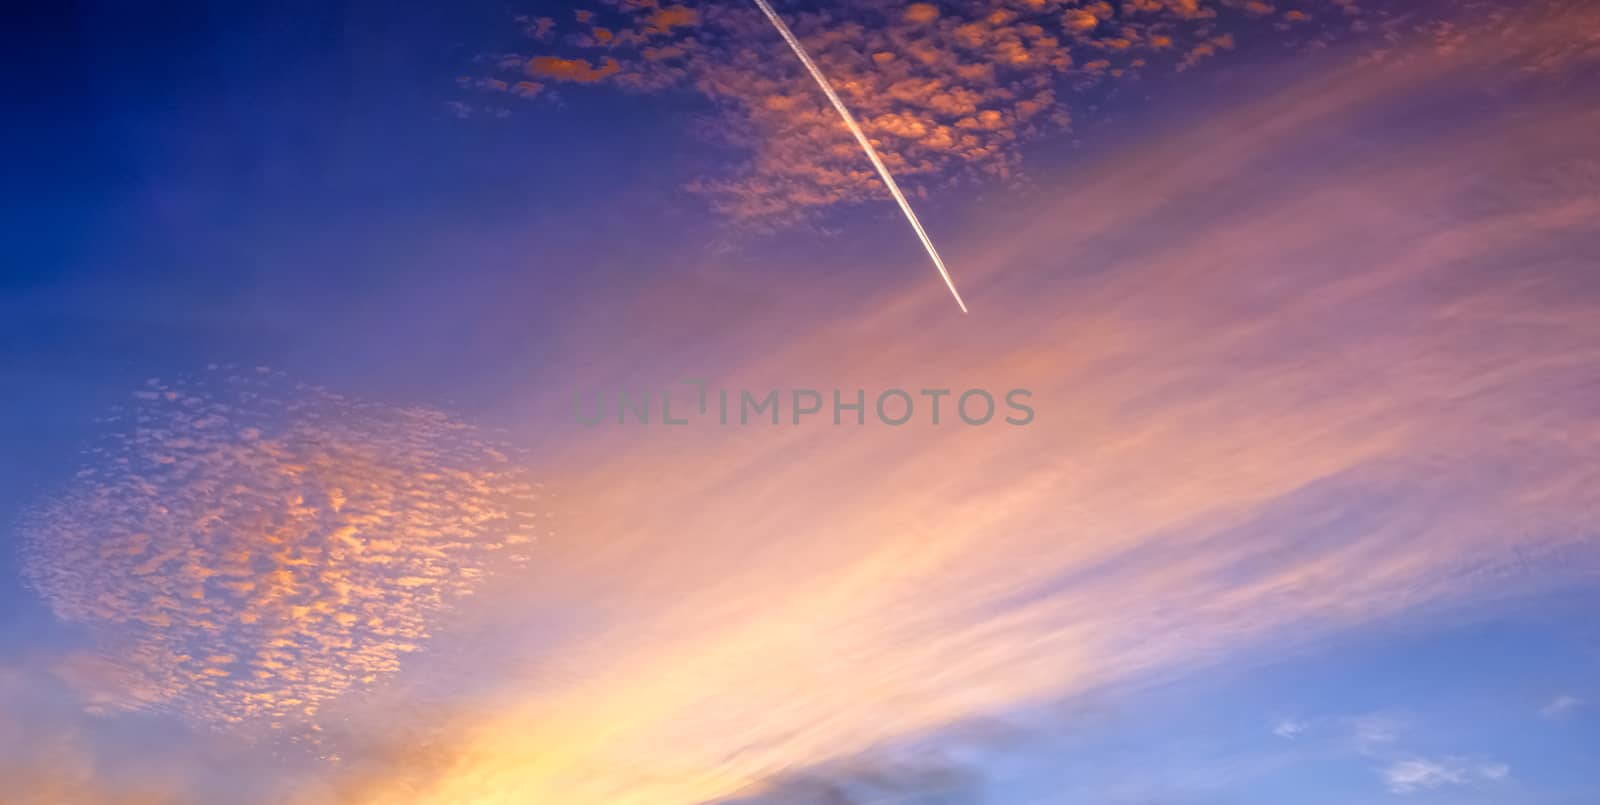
[1288,313]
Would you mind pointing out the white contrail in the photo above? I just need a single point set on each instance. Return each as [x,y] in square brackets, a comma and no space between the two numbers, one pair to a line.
[866,145]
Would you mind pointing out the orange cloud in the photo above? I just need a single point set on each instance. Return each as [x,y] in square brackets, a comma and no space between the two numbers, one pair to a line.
[576,70]
[249,556]
[920,13]
[962,56]
[664,20]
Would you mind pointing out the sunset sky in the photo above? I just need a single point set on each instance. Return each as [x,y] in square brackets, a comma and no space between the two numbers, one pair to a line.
[295,506]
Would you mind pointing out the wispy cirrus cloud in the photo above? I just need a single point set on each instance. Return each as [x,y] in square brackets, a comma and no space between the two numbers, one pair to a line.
[1289,728]
[1421,774]
[1561,707]
[1305,373]
[48,757]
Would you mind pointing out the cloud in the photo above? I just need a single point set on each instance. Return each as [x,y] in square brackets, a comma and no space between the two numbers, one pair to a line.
[1560,707]
[1305,365]
[663,20]
[921,13]
[1421,774]
[1289,729]
[950,93]
[48,757]
[1374,733]
[1493,771]
[575,70]
[863,785]
[1407,776]
[245,551]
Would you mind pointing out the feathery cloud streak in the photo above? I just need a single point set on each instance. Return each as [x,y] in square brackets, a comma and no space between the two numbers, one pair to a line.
[1302,377]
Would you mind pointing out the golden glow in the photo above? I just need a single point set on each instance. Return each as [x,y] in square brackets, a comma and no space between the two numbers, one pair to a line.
[1219,446]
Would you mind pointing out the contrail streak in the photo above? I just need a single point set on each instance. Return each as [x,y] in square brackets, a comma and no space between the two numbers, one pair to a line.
[866,145]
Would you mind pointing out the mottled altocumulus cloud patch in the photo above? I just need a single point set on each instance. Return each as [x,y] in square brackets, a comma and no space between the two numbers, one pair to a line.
[948,92]
[242,549]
